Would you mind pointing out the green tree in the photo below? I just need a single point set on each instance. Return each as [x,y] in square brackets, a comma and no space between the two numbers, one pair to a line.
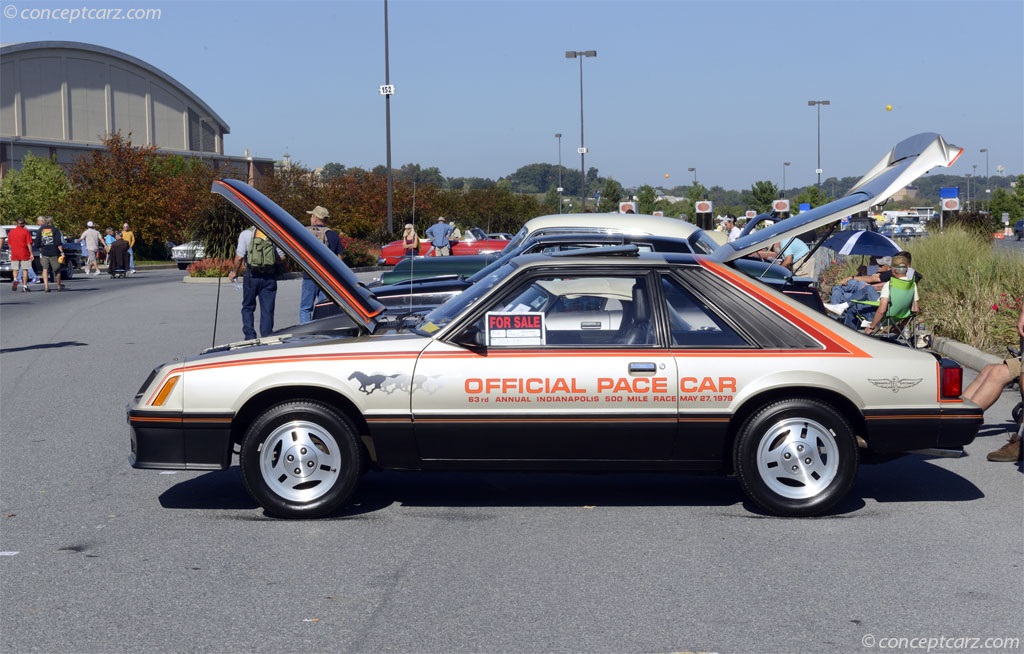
[811,195]
[1009,201]
[551,200]
[761,196]
[611,193]
[39,188]
[535,178]
[646,199]
[413,173]
[332,170]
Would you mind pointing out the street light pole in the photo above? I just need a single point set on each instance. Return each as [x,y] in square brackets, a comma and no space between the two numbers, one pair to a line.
[387,91]
[785,164]
[694,171]
[580,54]
[987,190]
[559,137]
[818,103]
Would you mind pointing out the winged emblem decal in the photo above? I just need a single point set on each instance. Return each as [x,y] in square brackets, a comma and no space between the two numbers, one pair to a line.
[895,384]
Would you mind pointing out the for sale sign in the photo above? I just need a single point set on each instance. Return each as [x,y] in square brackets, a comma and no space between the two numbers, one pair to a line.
[515,329]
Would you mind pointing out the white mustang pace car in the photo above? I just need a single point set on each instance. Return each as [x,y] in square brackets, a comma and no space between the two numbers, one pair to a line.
[603,359]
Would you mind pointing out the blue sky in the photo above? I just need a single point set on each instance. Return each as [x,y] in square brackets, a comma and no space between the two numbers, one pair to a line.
[484,85]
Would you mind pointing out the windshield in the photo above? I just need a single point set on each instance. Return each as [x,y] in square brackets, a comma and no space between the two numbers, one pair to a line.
[517,239]
[454,307]
[702,243]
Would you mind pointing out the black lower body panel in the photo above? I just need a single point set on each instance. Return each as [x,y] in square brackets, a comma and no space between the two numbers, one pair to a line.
[903,431]
[174,442]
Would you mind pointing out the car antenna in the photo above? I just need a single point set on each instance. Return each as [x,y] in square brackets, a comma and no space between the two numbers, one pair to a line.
[216,307]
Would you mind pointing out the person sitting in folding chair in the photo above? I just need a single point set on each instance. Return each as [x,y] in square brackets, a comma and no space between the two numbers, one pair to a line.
[897,303]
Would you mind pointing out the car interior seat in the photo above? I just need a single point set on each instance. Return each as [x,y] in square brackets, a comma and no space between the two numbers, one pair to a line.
[638,330]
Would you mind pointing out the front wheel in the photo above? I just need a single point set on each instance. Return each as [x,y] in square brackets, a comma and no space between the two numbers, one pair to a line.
[300,459]
[796,457]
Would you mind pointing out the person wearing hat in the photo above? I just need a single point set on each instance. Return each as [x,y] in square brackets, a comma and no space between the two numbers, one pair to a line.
[90,240]
[438,234]
[311,293]
[410,241]
[730,228]
[860,288]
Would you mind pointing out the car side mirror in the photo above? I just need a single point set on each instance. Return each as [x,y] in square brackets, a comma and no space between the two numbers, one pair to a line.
[471,337]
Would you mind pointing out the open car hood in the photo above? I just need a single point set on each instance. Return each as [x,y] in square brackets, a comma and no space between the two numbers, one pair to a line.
[334,277]
[907,161]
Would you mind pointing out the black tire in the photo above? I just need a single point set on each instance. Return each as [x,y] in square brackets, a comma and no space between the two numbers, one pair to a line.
[796,457]
[301,459]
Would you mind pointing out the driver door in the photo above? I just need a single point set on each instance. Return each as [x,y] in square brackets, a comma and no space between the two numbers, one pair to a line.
[567,369]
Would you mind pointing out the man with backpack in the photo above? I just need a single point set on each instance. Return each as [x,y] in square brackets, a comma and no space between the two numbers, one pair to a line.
[311,293]
[261,258]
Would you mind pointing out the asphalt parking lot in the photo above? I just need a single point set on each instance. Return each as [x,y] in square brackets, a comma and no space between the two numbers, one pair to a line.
[98,557]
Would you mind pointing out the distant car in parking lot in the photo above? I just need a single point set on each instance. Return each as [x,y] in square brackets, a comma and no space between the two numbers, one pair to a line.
[473,241]
[424,293]
[187,253]
[1018,229]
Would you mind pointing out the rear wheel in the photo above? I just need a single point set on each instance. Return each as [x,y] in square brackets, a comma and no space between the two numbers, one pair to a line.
[301,459]
[796,457]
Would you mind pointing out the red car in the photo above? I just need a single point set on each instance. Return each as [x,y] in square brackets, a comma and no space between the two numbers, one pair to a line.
[473,241]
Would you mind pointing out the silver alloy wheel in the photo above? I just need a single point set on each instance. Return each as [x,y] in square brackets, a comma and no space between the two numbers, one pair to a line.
[797,458]
[300,461]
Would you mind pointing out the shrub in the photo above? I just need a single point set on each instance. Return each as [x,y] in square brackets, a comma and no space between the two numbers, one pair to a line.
[840,267]
[972,222]
[210,268]
[971,291]
[359,253]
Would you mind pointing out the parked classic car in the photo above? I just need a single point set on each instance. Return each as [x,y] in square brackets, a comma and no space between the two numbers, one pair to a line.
[590,360]
[421,294]
[578,223]
[187,253]
[474,241]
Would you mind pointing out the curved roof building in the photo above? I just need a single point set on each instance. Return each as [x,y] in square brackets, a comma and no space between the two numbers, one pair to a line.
[59,98]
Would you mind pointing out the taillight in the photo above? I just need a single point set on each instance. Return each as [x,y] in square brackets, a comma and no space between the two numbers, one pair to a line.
[951,380]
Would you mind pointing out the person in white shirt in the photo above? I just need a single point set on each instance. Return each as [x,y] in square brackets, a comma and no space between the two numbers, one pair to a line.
[730,228]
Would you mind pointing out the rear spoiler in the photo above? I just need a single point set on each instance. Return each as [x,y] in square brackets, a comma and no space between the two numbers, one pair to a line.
[907,161]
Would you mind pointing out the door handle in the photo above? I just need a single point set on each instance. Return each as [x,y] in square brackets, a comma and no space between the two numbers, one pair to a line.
[642,368]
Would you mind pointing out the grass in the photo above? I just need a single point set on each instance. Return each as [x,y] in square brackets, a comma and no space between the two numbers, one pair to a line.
[972,291]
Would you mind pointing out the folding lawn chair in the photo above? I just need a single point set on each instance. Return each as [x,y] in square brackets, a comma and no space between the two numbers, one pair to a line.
[899,322]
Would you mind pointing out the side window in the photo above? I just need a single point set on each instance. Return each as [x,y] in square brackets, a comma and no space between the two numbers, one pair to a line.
[555,311]
[693,323]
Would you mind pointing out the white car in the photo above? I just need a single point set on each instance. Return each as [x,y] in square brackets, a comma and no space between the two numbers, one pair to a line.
[187,253]
[602,359]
